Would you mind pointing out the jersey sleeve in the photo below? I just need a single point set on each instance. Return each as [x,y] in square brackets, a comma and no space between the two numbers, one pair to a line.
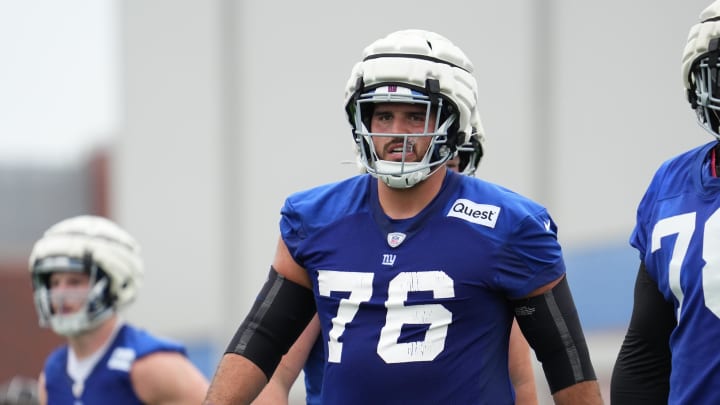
[639,235]
[291,227]
[144,343]
[305,212]
[533,256]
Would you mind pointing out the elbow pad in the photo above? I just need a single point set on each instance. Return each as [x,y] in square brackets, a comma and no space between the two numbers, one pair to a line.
[552,327]
[281,312]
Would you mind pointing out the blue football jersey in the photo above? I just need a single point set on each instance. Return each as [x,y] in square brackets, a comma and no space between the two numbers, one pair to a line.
[416,310]
[678,238]
[313,369]
[109,381]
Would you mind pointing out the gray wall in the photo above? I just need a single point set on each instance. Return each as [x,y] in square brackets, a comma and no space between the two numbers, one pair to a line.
[231,105]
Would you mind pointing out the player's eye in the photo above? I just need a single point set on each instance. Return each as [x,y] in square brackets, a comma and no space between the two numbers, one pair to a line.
[417,117]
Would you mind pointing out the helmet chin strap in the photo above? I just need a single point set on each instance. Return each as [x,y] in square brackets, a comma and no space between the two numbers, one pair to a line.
[405,180]
[77,323]
[409,178]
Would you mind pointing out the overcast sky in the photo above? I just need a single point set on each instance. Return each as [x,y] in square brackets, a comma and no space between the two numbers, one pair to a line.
[58,78]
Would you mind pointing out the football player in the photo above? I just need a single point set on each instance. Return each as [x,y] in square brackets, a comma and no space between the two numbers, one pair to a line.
[670,351]
[85,270]
[307,352]
[19,391]
[416,272]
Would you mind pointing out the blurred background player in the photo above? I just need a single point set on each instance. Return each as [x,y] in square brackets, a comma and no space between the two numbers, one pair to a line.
[307,352]
[85,270]
[19,391]
[670,351]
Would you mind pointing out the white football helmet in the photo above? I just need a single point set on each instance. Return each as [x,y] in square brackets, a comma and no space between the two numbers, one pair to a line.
[417,67]
[701,69]
[98,247]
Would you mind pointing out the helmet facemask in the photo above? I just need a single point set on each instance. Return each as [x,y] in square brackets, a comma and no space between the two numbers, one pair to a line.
[97,302]
[704,93]
[438,112]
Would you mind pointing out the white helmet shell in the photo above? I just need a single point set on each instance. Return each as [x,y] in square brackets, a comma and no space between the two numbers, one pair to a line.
[699,39]
[413,56]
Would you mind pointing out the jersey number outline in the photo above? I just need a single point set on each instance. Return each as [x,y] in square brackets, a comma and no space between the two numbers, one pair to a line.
[360,287]
[684,226]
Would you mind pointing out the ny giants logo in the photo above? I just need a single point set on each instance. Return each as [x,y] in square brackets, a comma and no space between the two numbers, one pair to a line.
[388,259]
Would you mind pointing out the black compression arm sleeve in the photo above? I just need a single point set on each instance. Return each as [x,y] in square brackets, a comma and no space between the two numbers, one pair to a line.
[551,325]
[642,371]
[281,312]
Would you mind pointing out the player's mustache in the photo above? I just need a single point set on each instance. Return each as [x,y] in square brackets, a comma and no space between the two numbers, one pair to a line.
[400,143]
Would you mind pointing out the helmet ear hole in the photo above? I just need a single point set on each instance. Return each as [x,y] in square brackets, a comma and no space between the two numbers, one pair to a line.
[459,139]
[470,154]
[107,296]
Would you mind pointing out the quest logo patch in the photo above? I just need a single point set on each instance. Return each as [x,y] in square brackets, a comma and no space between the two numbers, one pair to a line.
[481,214]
